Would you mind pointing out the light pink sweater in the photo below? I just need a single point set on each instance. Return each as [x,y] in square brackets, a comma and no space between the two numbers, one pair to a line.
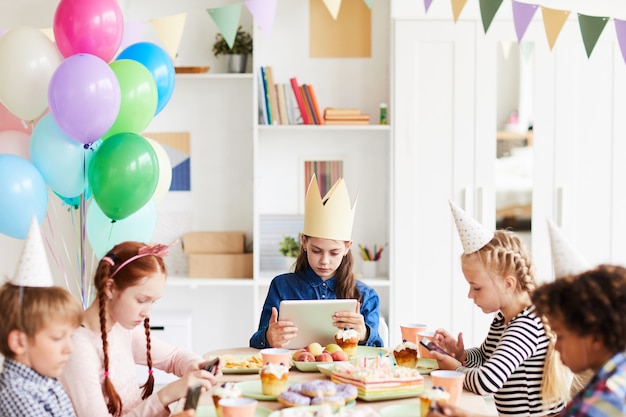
[83,375]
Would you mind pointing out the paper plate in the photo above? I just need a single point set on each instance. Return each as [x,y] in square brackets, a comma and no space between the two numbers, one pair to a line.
[370,351]
[297,411]
[400,410]
[252,389]
[426,365]
[309,366]
[209,411]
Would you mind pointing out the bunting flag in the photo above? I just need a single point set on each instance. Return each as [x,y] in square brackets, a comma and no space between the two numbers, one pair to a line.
[333,7]
[427,4]
[522,15]
[227,20]
[506,49]
[553,21]
[591,28]
[170,31]
[527,48]
[488,10]
[457,8]
[620,30]
[263,12]
[369,3]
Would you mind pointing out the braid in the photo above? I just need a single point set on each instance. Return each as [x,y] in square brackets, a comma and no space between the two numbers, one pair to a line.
[114,403]
[148,387]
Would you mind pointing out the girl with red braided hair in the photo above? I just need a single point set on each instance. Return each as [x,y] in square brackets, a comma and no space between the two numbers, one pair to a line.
[100,377]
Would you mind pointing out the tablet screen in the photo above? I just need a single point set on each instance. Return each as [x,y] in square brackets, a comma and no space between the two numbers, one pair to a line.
[313,318]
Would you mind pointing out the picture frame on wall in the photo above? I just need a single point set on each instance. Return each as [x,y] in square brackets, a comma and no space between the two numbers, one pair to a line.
[327,171]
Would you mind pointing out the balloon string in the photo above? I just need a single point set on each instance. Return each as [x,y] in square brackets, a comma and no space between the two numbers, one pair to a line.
[84,290]
[56,260]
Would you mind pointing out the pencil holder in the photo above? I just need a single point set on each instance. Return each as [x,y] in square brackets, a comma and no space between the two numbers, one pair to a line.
[369,269]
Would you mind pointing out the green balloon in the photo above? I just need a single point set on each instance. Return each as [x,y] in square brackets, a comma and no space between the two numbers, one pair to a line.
[123,174]
[139,97]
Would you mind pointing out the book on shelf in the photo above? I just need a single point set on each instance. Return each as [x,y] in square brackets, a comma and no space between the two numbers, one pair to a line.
[273,101]
[293,111]
[314,107]
[268,108]
[338,111]
[262,100]
[282,106]
[309,103]
[348,117]
[297,92]
[346,122]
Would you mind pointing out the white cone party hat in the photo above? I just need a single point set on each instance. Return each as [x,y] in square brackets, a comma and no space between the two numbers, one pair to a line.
[566,260]
[473,234]
[33,269]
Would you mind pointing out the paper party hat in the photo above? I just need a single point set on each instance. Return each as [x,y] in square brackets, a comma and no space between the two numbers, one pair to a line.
[332,216]
[33,269]
[566,260]
[473,234]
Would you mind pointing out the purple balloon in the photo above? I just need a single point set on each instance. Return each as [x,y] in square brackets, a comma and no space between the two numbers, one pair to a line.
[84,97]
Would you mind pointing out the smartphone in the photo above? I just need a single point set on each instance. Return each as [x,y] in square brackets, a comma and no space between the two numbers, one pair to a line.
[212,364]
[430,345]
[193,395]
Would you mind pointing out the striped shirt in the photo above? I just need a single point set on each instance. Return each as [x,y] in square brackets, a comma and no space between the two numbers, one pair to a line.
[26,393]
[605,394]
[509,365]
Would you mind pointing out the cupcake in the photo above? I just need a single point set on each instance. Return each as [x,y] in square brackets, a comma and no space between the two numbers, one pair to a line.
[405,354]
[273,378]
[348,340]
[226,390]
[429,395]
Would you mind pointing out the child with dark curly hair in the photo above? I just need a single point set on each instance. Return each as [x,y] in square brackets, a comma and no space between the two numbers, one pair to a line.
[588,314]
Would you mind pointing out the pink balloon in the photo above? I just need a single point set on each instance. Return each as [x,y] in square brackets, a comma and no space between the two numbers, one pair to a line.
[84,97]
[15,143]
[94,27]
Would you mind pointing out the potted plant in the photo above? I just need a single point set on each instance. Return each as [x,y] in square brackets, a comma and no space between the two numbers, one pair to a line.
[290,248]
[238,54]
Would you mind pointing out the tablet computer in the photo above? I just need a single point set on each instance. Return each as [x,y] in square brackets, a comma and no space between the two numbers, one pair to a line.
[313,318]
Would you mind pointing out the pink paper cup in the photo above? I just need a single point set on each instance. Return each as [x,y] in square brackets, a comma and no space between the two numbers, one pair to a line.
[238,407]
[276,355]
[425,353]
[451,381]
[410,330]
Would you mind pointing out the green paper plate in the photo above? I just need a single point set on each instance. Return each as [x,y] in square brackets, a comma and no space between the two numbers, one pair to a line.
[252,389]
[209,411]
[400,410]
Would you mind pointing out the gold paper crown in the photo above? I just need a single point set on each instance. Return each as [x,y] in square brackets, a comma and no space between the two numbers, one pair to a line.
[330,217]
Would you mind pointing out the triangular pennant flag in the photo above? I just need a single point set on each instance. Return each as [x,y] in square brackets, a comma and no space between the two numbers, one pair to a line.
[506,49]
[591,28]
[427,4]
[457,8]
[620,29]
[553,21]
[33,269]
[527,48]
[333,7]
[369,3]
[565,259]
[488,10]
[522,15]
[170,31]
[263,12]
[473,234]
[227,20]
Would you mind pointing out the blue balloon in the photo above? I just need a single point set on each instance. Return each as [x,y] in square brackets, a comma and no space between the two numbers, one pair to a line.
[160,65]
[23,194]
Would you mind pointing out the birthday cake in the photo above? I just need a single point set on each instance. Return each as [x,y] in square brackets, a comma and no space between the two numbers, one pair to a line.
[379,379]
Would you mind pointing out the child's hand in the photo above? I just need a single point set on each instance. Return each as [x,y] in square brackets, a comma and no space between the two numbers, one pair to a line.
[450,344]
[279,333]
[445,361]
[352,320]
[176,390]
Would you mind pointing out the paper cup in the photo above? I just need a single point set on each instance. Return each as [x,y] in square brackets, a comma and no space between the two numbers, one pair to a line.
[410,330]
[451,381]
[276,355]
[425,353]
[238,407]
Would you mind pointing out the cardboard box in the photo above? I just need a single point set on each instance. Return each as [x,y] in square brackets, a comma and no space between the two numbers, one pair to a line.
[214,242]
[220,265]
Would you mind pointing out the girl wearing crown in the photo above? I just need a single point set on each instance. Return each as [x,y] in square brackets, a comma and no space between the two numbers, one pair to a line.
[323,270]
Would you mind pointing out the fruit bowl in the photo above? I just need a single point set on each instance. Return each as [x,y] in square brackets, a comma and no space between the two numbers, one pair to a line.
[310,366]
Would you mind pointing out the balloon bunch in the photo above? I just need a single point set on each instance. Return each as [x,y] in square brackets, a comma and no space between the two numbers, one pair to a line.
[89,109]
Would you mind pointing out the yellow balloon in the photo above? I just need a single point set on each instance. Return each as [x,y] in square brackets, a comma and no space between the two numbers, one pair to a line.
[28,59]
[165,171]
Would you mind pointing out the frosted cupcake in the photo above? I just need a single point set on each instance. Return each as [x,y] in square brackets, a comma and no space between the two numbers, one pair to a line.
[226,390]
[429,395]
[348,340]
[405,354]
[273,378]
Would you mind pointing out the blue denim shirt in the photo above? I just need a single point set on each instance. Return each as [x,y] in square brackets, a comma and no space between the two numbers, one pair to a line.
[309,286]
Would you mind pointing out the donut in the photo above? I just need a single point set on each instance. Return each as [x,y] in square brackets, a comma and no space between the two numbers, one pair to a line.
[347,391]
[334,400]
[293,399]
[297,387]
[319,388]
